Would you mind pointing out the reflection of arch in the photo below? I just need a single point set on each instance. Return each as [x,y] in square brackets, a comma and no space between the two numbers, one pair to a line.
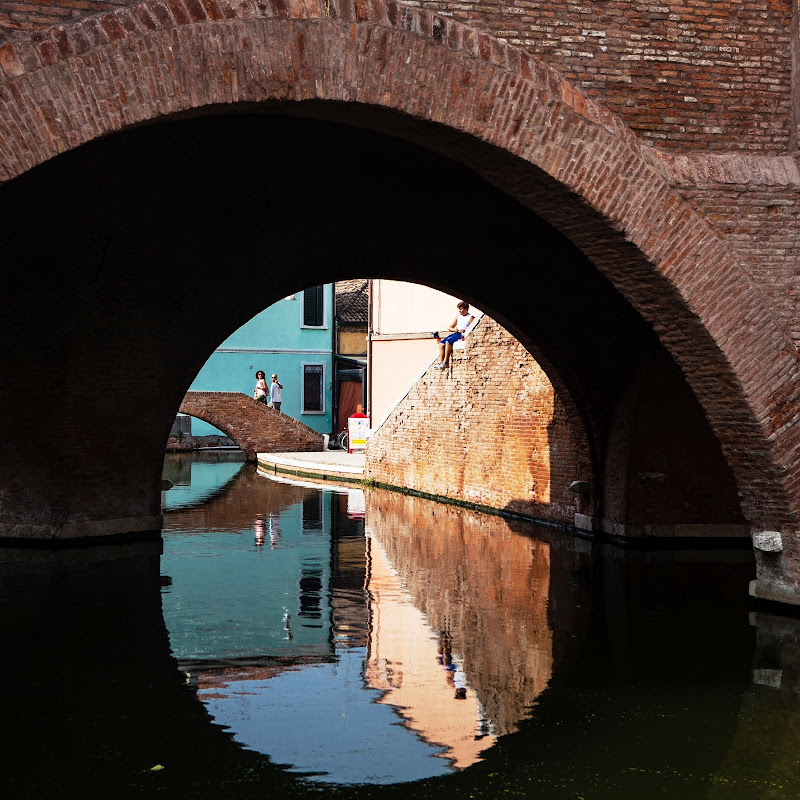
[253,426]
[212,494]
[161,717]
[242,500]
[563,156]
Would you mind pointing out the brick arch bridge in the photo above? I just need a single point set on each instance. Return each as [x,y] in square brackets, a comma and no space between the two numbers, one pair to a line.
[253,426]
[635,214]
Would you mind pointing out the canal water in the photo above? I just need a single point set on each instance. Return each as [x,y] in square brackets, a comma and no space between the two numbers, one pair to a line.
[283,640]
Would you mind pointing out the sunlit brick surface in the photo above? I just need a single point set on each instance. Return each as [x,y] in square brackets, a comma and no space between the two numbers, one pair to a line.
[489,431]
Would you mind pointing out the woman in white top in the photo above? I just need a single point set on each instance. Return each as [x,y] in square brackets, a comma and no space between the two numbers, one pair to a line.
[260,392]
[458,327]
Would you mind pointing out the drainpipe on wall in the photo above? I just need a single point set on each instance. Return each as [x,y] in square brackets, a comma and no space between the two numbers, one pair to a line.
[371,292]
[335,388]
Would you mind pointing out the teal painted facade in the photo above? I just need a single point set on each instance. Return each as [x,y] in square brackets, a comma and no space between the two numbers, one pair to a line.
[278,341]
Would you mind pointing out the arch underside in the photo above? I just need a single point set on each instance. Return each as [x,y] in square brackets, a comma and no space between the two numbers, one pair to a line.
[221,424]
[509,118]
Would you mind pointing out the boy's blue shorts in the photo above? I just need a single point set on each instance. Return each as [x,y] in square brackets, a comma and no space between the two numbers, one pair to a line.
[453,337]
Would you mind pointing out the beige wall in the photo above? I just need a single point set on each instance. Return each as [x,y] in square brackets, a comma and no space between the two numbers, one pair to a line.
[353,343]
[396,365]
[399,307]
[406,312]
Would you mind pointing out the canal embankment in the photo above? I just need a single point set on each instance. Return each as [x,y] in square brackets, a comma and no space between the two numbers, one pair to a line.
[324,465]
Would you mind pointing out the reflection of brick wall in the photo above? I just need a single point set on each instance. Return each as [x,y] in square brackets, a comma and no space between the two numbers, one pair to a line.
[490,432]
[483,589]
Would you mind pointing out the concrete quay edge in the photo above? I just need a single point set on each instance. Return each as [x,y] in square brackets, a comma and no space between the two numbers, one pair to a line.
[330,465]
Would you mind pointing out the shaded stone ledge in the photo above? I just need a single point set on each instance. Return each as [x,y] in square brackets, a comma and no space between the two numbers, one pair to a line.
[693,169]
[774,591]
[79,529]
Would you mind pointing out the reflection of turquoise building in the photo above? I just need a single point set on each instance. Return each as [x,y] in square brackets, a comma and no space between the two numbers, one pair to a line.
[265,596]
[194,482]
[261,600]
[293,338]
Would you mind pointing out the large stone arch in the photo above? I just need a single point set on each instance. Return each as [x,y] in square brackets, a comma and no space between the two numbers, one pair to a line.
[72,84]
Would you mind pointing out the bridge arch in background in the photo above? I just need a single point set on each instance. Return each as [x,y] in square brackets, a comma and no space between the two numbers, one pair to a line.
[254,427]
[541,141]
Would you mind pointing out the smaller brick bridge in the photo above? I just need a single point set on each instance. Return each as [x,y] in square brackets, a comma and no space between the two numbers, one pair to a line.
[255,427]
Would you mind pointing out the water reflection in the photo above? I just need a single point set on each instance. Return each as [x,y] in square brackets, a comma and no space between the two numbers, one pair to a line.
[195,480]
[377,641]
[411,643]
[482,591]
[419,677]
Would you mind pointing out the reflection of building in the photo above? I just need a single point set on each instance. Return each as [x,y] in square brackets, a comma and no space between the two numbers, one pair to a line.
[307,574]
[406,661]
[253,593]
[440,623]
[480,584]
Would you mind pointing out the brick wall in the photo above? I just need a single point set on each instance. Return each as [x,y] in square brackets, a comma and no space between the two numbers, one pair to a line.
[255,427]
[665,474]
[701,74]
[614,199]
[489,431]
[683,74]
[753,203]
[18,17]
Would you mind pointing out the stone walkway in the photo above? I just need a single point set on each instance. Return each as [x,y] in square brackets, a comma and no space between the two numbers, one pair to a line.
[334,465]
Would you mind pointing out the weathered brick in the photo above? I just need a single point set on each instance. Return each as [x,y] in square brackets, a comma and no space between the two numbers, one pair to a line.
[505,443]
[252,425]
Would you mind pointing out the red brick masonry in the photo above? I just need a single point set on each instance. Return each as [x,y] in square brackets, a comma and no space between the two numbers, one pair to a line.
[256,428]
[707,74]
[490,431]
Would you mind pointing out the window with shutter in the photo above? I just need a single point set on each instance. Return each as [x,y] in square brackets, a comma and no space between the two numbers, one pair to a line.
[313,307]
[313,389]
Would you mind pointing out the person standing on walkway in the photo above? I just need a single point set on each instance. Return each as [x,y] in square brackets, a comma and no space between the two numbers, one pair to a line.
[260,392]
[275,393]
[458,328]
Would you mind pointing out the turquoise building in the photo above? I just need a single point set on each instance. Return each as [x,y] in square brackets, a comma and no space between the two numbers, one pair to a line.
[293,338]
